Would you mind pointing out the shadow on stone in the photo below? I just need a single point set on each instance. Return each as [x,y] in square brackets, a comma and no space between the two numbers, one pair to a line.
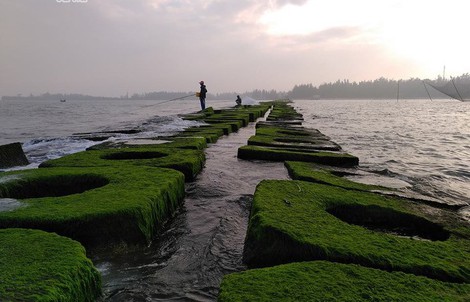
[54,186]
[133,155]
[389,221]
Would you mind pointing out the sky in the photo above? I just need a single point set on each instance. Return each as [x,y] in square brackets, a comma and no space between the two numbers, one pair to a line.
[111,47]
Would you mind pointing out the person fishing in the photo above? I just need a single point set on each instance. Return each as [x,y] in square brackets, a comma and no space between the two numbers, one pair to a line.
[202,95]
[238,100]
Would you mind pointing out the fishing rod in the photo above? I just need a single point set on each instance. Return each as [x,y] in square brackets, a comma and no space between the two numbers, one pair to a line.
[175,99]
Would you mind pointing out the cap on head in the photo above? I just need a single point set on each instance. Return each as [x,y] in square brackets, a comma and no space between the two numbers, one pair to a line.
[201,82]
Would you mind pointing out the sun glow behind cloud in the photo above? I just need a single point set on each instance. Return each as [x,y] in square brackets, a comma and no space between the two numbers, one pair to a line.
[428,33]
[313,16]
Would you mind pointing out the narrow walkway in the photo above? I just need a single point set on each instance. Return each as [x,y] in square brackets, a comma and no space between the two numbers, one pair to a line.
[204,241]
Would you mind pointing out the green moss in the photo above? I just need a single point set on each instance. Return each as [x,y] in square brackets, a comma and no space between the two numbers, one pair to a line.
[40,266]
[278,154]
[312,173]
[128,207]
[254,112]
[243,118]
[226,128]
[197,143]
[189,162]
[290,138]
[283,111]
[290,221]
[235,124]
[323,281]
[210,137]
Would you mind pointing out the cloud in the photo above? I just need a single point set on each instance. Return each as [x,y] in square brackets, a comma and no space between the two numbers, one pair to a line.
[109,47]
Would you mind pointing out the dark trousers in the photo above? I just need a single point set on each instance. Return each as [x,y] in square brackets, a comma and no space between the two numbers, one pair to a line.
[203,103]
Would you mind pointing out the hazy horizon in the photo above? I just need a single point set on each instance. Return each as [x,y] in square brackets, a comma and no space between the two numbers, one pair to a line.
[109,48]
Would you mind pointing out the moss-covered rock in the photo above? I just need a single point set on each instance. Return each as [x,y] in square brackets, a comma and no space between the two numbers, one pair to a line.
[196,143]
[235,124]
[282,111]
[40,266]
[280,154]
[313,173]
[298,221]
[290,138]
[243,118]
[189,162]
[212,134]
[325,281]
[95,206]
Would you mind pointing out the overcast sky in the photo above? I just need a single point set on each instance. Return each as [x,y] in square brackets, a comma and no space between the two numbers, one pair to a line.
[109,47]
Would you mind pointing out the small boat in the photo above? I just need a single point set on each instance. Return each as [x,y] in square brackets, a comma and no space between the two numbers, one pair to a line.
[62,100]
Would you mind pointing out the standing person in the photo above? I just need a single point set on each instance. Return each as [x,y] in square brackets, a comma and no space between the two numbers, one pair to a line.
[202,95]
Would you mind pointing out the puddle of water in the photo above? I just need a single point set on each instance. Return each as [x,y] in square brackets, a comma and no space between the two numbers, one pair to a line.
[9,204]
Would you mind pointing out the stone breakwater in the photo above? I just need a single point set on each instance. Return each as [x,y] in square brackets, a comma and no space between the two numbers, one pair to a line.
[321,237]
[318,237]
[108,197]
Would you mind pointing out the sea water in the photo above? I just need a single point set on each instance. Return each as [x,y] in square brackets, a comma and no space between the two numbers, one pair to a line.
[423,143]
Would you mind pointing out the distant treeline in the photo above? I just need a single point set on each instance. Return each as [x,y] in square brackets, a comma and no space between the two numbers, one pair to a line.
[377,89]
[381,88]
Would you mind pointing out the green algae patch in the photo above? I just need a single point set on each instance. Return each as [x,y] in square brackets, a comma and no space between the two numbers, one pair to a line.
[235,124]
[282,111]
[254,112]
[210,133]
[290,138]
[279,154]
[310,172]
[197,143]
[244,119]
[41,266]
[113,205]
[325,281]
[226,128]
[188,161]
[298,221]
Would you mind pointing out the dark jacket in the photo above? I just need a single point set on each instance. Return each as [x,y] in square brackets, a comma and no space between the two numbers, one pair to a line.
[203,91]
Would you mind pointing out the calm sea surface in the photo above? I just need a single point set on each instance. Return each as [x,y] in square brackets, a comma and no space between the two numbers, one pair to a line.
[420,145]
[421,142]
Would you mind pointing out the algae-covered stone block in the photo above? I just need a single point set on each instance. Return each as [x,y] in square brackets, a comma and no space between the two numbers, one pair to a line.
[310,172]
[297,221]
[188,161]
[40,266]
[326,281]
[95,206]
[293,139]
[280,154]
